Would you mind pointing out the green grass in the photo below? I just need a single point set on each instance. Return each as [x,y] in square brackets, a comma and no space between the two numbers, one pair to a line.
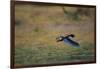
[28,55]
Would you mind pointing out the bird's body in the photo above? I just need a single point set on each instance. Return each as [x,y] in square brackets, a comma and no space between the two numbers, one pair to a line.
[67,39]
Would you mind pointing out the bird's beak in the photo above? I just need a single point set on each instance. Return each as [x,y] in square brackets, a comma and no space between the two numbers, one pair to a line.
[58,41]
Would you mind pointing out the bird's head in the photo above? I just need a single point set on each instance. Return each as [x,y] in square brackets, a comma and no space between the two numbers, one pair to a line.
[60,38]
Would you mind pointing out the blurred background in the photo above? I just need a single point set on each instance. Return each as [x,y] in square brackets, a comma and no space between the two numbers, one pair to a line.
[36,29]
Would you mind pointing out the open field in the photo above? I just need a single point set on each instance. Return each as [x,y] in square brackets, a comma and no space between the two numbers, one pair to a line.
[38,26]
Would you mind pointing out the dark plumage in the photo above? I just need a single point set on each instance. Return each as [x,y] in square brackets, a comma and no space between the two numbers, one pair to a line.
[67,39]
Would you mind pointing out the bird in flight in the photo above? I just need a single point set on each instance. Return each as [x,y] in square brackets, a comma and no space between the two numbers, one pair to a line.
[67,39]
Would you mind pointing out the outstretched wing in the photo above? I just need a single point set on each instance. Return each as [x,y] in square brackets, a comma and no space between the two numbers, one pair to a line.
[71,42]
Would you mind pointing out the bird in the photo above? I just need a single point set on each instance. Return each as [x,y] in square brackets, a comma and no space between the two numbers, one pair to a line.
[67,39]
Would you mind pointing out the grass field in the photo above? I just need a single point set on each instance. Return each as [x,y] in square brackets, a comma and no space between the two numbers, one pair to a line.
[38,26]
